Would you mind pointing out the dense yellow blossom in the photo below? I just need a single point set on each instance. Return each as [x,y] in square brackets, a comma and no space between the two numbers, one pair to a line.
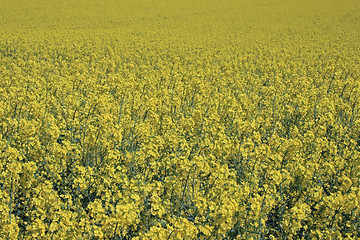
[180,119]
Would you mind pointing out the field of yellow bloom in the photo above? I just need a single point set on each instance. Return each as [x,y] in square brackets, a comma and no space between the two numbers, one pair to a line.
[207,119]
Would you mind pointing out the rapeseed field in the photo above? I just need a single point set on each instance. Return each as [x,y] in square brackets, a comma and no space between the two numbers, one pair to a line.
[231,119]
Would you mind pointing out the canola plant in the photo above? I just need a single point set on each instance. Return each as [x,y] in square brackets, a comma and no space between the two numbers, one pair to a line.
[179,119]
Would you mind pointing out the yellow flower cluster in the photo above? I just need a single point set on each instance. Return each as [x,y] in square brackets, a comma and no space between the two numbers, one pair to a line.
[179,119]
